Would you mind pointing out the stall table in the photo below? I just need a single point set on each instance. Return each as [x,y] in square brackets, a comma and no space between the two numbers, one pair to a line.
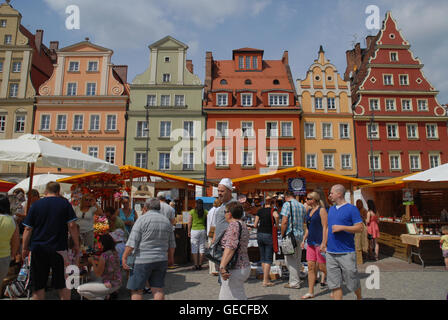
[419,242]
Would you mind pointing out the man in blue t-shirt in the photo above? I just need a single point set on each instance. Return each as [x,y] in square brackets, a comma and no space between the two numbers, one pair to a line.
[46,235]
[344,220]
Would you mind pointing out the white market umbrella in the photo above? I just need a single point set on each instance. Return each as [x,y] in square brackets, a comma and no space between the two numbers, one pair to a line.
[40,181]
[436,174]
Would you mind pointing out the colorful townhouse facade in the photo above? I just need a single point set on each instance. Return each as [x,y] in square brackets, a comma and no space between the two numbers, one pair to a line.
[25,63]
[327,136]
[253,118]
[400,127]
[83,105]
[165,121]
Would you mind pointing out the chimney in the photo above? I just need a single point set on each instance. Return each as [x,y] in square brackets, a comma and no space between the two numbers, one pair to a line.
[285,58]
[38,39]
[369,40]
[190,66]
[54,45]
[208,71]
[122,72]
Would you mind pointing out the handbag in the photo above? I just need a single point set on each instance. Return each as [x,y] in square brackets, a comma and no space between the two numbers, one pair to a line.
[274,232]
[289,243]
[215,252]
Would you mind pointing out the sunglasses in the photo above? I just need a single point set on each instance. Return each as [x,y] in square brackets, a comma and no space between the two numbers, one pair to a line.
[309,199]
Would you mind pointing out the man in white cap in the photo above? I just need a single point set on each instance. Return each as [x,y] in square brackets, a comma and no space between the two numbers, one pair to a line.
[225,188]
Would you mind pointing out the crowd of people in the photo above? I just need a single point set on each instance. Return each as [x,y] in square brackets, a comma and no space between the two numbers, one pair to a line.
[55,232]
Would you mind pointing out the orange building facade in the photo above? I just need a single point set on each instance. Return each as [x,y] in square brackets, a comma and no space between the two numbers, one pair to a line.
[83,105]
[252,115]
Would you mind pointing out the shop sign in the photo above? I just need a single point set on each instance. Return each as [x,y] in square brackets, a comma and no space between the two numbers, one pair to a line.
[297,185]
[408,197]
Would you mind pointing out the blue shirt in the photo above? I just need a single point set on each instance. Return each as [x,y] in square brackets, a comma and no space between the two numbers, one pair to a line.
[49,218]
[314,225]
[298,211]
[342,242]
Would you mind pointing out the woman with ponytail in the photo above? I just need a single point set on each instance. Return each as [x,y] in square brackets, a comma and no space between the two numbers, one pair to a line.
[197,232]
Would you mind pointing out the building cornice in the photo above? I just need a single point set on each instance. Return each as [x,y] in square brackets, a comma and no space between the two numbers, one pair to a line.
[398,92]
[395,66]
[400,118]
[164,86]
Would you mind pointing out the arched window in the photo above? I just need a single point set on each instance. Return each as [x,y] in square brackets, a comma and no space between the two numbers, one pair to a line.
[223,81]
[276,82]
[248,81]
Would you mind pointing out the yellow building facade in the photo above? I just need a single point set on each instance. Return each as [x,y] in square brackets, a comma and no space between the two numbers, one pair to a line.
[327,135]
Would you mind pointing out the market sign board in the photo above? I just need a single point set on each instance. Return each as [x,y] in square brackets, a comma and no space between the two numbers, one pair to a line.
[408,197]
[297,185]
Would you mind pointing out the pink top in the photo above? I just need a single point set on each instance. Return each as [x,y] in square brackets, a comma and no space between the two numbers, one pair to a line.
[112,272]
[230,240]
[372,226]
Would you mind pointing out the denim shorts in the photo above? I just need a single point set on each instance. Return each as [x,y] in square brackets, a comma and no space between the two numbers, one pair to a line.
[153,272]
[265,245]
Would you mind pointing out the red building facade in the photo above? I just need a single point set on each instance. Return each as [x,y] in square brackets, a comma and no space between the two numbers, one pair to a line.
[252,115]
[400,127]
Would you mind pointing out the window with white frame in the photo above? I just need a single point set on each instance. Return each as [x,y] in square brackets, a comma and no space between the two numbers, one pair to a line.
[344,131]
[395,162]
[94,122]
[1,66]
[61,122]
[278,99]
[165,100]
[390,105]
[392,131]
[188,161]
[247,129]
[92,66]
[188,129]
[8,39]
[328,161]
[93,151]
[287,159]
[72,88]
[246,99]
[77,148]
[73,66]
[16,66]
[318,105]
[3,23]
[166,77]
[179,100]
[406,105]
[2,123]
[110,154]
[254,62]
[375,162]
[346,161]
[241,62]
[13,90]
[222,128]
[394,56]
[222,158]
[422,105]
[78,122]
[140,160]
[272,129]
[310,130]
[388,79]
[374,104]
[151,100]
[414,162]
[331,103]
[431,131]
[247,62]
[142,129]
[272,159]
[45,122]
[286,129]
[91,89]
[20,123]
[327,130]
[164,161]
[165,129]
[248,159]
[434,160]
[311,161]
[111,122]
[404,79]
[412,130]
[222,99]
[373,131]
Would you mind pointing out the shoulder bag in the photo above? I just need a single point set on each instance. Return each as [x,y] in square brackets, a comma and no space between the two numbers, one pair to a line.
[289,243]
[274,232]
[215,252]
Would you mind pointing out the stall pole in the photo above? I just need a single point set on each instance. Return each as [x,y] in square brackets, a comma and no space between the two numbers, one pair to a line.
[30,186]
[186,198]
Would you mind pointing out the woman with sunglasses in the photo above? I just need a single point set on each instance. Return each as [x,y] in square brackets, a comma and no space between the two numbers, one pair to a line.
[127,214]
[85,212]
[316,237]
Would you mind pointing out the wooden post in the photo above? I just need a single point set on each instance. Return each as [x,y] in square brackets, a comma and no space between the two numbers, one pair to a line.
[30,186]
[186,198]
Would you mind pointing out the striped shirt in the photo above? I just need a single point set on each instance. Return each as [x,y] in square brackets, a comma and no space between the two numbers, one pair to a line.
[151,237]
[298,211]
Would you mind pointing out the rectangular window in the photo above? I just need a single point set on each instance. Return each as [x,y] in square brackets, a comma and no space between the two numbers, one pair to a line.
[179,100]
[272,129]
[247,128]
[278,99]
[318,105]
[247,62]
[412,130]
[13,90]
[94,122]
[327,130]
[91,89]
[8,39]
[310,131]
[395,162]
[142,129]
[311,161]
[17,66]
[1,66]
[165,129]
[222,159]
[374,104]
[188,161]
[254,63]
[422,105]
[390,105]
[110,154]
[166,77]
[76,148]
[375,162]
[287,159]
[140,160]
[165,100]
[72,88]
[164,161]
[392,131]
[328,161]
[331,102]
[272,159]
[246,99]
[434,160]
[372,131]
[20,123]
[344,131]
[2,123]
[404,80]
[188,129]
[346,161]
[393,56]
[151,100]
[431,131]
[222,99]
[286,129]
[45,122]
[93,152]
[406,105]
[241,62]
[3,23]
[61,122]
[78,122]
[222,128]
[73,66]
[248,160]
[388,79]
[414,161]
[111,122]
[93,66]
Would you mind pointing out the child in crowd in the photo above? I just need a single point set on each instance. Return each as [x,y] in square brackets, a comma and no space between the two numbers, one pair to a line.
[444,244]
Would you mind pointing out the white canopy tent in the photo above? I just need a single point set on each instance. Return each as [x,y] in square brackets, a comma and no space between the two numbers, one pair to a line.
[39,183]
[436,174]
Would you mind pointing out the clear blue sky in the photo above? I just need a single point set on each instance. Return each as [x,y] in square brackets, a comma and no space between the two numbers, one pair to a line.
[300,27]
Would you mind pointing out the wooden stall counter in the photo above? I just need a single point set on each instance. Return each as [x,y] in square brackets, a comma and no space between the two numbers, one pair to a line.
[390,241]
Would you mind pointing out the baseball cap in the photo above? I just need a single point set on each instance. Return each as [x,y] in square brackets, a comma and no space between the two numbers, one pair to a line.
[226,182]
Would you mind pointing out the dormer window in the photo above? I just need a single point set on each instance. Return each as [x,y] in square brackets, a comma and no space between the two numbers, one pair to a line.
[222,99]
[241,62]
[254,63]
[276,82]
[248,81]
[246,99]
[247,62]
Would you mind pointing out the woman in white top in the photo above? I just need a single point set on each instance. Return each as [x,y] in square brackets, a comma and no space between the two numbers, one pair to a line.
[85,212]
[211,226]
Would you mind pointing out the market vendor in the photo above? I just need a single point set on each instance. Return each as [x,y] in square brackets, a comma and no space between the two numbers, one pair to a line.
[85,212]
[126,213]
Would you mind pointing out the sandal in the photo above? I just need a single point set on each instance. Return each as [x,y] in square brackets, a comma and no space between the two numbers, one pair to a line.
[308,296]
[269,284]
[323,284]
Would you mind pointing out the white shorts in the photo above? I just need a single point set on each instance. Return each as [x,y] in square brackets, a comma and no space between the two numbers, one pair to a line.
[198,241]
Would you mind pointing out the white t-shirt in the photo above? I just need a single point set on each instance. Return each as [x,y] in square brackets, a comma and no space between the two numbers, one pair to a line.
[211,219]
[86,223]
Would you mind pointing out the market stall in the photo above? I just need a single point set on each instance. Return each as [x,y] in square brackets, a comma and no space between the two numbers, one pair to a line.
[5,186]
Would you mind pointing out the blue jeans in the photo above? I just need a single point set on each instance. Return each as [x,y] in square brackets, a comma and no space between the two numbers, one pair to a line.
[265,244]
